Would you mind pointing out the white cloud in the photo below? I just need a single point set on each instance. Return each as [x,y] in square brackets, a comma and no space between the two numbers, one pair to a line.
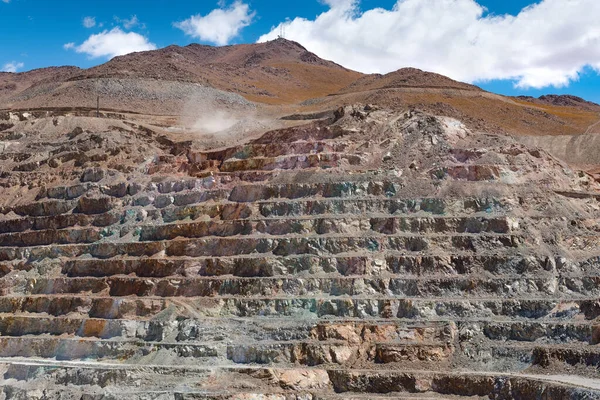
[6,1]
[129,23]
[221,25]
[546,44]
[112,43]
[69,46]
[89,22]
[12,66]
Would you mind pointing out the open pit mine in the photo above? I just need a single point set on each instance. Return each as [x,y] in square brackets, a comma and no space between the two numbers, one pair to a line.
[378,243]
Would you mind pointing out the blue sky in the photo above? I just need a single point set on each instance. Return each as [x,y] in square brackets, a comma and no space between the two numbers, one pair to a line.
[506,46]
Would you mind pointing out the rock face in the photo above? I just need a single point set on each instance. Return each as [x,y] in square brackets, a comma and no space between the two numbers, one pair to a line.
[383,254]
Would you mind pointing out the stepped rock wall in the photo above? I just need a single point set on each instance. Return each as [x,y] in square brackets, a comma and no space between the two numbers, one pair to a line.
[378,253]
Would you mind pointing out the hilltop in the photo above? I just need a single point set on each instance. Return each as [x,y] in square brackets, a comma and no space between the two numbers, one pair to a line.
[275,72]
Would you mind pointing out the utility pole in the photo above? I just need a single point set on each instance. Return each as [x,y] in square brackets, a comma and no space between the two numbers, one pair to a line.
[97,87]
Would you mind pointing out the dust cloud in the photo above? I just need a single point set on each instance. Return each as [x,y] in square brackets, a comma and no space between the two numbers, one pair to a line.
[206,115]
[214,121]
[223,121]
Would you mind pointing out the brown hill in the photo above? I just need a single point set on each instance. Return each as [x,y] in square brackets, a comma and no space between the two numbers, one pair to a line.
[174,79]
[564,100]
[12,84]
[406,77]
[480,110]
[280,71]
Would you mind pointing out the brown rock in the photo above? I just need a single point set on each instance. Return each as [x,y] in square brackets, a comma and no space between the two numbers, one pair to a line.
[304,379]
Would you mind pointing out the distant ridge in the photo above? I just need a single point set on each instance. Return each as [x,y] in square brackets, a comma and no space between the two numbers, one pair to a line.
[406,77]
[176,80]
[564,100]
